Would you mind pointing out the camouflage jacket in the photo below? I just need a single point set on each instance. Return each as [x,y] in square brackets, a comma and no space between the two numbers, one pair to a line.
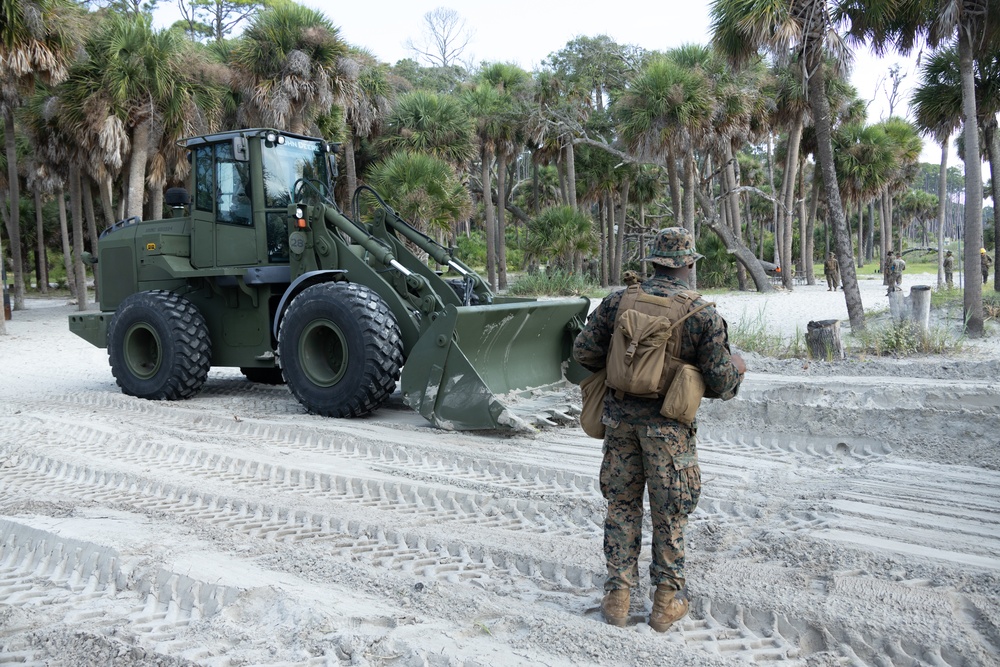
[831,266]
[949,264]
[985,261]
[704,343]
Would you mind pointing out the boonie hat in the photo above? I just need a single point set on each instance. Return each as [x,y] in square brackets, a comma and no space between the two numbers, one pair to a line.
[674,248]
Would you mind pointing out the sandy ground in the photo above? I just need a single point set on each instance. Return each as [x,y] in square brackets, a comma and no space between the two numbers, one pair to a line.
[850,516]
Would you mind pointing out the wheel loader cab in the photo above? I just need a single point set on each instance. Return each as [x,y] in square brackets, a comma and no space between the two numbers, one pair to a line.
[242,187]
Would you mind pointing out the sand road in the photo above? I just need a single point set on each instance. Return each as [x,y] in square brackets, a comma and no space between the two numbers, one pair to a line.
[850,516]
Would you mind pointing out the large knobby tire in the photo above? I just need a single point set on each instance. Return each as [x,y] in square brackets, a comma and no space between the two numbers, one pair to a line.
[159,347]
[340,349]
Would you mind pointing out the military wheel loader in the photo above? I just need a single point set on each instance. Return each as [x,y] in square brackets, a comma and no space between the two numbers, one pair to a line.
[258,269]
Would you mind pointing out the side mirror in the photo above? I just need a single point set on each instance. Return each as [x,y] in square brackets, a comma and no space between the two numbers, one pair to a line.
[241,149]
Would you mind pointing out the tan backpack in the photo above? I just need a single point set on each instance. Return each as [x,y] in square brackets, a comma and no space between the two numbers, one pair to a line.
[643,357]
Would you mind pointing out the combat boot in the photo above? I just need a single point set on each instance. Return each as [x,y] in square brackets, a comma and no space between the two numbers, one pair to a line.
[669,605]
[615,607]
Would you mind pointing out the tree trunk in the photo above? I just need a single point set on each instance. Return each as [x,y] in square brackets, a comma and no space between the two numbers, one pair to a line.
[642,238]
[774,202]
[788,203]
[563,188]
[14,202]
[88,209]
[76,214]
[734,247]
[689,189]
[886,239]
[811,226]
[106,199]
[43,259]
[835,211]
[501,221]
[350,168]
[993,145]
[870,234]
[735,219]
[67,250]
[491,249]
[673,179]
[861,235]
[942,208]
[137,169]
[805,263]
[571,173]
[602,215]
[616,271]
[973,297]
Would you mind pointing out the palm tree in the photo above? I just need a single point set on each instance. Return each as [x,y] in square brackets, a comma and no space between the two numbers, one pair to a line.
[659,114]
[484,105]
[975,26]
[866,162]
[430,123]
[289,68]
[509,135]
[35,44]
[802,30]
[563,235]
[424,189]
[365,112]
[937,104]
[938,113]
[133,85]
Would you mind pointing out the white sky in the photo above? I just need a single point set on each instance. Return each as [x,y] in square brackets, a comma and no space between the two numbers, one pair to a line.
[525,32]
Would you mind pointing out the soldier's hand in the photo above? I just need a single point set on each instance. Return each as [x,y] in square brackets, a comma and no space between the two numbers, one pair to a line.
[741,365]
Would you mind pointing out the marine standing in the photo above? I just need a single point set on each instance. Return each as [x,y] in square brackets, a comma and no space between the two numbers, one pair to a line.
[643,449]
[985,262]
[949,269]
[831,269]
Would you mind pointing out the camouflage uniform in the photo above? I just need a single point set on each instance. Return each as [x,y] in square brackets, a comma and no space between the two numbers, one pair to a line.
[949,269]
[985,262]
[831,269]
[643,448]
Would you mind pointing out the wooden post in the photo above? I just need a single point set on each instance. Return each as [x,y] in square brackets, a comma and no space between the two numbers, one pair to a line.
[823,340]
[897,306]
[920,306]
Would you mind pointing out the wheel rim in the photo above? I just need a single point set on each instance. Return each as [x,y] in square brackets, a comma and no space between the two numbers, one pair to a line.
[323,353]
[142,351]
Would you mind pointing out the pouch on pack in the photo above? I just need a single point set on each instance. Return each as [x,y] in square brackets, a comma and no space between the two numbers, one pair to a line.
[593,389]
[684,394]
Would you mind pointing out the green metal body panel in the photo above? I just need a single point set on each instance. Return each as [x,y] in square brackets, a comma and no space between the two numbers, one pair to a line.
[240,254]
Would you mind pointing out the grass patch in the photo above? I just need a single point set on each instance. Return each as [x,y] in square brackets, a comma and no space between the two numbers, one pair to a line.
[555,283]
[904,338]
[753,335]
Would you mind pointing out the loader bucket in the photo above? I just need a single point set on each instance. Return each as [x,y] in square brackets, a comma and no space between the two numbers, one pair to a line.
[474,362]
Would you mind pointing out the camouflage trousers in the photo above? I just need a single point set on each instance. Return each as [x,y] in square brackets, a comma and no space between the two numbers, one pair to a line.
[637,457]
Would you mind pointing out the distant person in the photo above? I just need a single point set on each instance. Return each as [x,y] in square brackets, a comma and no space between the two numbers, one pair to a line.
[831,269]
[900,266]
[985,262]
[949,269]
[887,268]
[893,272]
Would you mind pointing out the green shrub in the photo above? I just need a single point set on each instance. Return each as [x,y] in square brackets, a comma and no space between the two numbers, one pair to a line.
[903,338]
[551,283]
[753,335]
